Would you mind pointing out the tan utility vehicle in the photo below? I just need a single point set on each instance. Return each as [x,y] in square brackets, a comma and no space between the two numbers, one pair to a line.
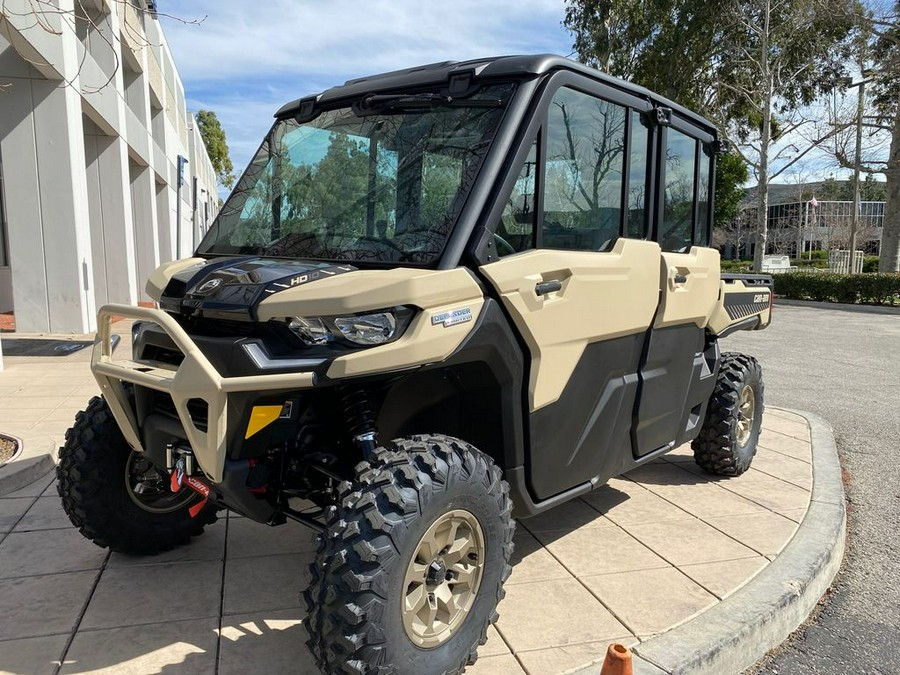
[438,298]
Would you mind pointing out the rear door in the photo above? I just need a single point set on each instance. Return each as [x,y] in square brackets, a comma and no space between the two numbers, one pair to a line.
[581,295]
[676,378]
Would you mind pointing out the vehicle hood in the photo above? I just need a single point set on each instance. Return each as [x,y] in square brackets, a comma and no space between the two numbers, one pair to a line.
[232,288]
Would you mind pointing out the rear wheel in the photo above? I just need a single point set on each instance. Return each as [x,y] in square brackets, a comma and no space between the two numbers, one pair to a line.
[727,441]
[411,565]
[116,497]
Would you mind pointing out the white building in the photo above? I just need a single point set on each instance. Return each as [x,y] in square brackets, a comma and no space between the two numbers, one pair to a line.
[93,127]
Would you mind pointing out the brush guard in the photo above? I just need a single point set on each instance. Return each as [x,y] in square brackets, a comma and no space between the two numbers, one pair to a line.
[194,378]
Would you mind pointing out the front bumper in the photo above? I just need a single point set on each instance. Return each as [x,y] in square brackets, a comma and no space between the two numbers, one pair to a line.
[195,378]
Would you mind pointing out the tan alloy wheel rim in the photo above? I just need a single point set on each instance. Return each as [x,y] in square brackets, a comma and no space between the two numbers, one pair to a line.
[442,579]
[746,412]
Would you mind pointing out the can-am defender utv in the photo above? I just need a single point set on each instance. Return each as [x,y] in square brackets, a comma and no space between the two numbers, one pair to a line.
[437,298]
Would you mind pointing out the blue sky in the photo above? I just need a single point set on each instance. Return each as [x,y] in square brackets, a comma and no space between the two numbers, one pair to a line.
[243,59]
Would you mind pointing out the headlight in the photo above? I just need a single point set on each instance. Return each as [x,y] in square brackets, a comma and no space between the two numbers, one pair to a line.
[311,331]
[371,328]
[368,329]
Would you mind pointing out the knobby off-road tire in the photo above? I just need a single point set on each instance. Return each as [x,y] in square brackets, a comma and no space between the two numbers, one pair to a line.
[357,598]
[727,441]
[93,485]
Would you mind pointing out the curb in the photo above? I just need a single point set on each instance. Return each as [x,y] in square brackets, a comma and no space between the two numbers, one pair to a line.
[734,634]
[890,310]
[27,467]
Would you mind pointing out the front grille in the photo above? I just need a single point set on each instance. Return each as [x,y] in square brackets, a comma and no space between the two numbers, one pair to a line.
[162,355]
[197,408]
[218,327]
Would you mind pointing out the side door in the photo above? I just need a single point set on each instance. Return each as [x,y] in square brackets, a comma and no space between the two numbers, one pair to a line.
[581,295]
[677,376]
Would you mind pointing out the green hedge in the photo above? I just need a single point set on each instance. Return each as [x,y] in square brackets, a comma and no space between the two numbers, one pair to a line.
[878,289]
[814,263]
[870,263]
[737,265]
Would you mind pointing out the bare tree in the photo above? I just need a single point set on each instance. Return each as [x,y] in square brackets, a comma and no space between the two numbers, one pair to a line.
[783,238]
[740,232]
[80,18]
[800,178]
[838,228]
[785,53]
[878,51]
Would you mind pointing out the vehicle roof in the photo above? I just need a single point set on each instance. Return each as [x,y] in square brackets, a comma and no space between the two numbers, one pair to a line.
[490,67]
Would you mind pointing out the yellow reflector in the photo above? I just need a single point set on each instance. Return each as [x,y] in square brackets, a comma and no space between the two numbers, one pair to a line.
[262,416]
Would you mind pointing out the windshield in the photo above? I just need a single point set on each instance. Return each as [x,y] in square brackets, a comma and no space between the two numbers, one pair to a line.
[384,185]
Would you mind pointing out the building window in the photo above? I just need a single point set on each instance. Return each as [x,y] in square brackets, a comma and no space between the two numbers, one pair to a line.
[4,251]
[583,172]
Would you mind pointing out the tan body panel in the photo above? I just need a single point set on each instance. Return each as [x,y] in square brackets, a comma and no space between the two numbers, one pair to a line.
[694,299]
[721,319]
[363,290]
[423,342]
[161,276]
[604,295]
[432,291]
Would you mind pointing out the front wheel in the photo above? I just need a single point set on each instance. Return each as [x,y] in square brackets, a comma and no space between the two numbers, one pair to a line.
[727,441]
[411,565]
[116,497]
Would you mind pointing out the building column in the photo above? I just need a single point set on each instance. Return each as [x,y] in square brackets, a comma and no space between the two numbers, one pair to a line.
[146,243]
[49,224]
[109,192]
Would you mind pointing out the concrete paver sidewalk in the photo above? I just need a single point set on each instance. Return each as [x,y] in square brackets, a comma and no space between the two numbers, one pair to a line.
[634,558]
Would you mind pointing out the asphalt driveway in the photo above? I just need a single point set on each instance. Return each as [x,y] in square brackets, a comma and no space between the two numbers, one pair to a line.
[845,365]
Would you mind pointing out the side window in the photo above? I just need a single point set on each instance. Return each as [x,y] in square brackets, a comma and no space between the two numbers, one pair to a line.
[635,219]
[583,173]
[515,232]
[677,229]
[701,236]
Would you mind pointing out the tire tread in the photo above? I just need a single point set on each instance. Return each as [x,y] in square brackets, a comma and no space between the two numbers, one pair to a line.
[346,596]
[91,444]
[715,448]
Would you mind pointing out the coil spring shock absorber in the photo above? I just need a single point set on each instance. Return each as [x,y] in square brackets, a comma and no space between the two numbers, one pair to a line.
[360,421]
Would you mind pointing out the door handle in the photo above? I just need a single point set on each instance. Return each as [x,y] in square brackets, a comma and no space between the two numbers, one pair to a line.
[678,276]
[544,287]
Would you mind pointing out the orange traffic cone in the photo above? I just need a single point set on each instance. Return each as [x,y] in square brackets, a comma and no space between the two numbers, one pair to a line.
[617,661]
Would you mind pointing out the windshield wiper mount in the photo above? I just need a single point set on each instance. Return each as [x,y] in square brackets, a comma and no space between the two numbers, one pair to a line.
[372,104]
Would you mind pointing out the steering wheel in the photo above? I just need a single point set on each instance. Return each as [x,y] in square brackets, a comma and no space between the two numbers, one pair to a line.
[503,246]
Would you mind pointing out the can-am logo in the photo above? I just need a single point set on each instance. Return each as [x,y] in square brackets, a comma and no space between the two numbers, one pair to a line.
[208,286]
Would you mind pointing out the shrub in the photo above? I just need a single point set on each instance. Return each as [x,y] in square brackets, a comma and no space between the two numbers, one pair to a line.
[815,263]
[737,265]
[870,264]
[879,289]
[816,254]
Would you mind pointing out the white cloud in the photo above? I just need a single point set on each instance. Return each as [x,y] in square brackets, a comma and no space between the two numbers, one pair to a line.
[245,59]
[317,37]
